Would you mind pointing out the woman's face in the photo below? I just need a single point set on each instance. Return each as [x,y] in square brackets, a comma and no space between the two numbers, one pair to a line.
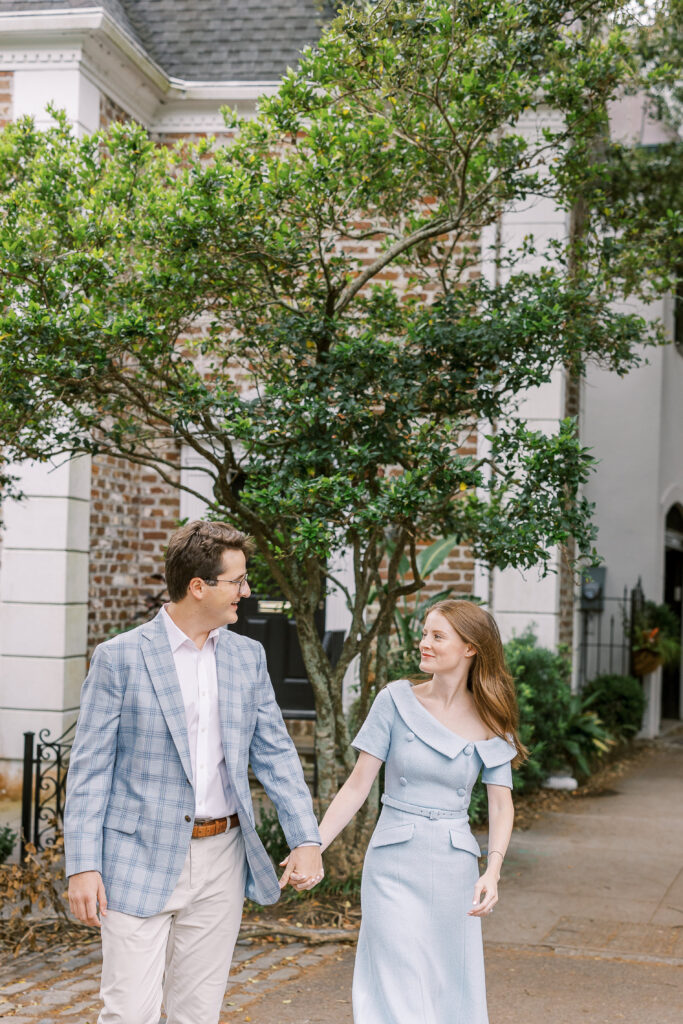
[442,650]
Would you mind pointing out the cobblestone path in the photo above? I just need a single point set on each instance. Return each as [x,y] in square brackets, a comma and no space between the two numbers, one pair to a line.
[61,986]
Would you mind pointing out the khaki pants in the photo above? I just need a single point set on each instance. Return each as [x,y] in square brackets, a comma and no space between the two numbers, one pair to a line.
[183,954]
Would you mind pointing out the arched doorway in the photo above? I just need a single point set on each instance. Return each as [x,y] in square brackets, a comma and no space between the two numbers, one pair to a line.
[672,702]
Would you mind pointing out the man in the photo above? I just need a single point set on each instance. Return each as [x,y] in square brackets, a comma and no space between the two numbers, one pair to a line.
[159,823]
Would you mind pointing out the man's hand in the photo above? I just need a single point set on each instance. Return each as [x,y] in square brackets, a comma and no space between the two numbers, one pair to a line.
[86,890]
[303,868]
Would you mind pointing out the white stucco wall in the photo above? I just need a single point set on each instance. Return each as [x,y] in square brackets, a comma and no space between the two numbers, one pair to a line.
[634,426]
[522,600]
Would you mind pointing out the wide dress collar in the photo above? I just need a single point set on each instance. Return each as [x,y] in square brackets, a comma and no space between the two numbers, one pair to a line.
[430,730]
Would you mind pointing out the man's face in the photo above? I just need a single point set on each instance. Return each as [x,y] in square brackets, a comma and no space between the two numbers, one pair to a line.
[221,600]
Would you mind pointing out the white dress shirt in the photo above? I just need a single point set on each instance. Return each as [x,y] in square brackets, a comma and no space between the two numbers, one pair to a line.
[196,671]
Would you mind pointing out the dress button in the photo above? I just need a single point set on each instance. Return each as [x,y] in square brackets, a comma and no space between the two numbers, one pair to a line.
[468,749]
[404,782]
[410,736]
[461,792]
[188,818]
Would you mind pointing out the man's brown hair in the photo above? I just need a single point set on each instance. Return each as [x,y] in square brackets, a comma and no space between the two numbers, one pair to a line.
[196,549]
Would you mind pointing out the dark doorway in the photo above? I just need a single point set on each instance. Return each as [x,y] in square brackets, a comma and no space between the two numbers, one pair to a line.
[673,597]
[267,621]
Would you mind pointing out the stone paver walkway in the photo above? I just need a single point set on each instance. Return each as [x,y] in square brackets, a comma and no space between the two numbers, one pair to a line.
[61,987]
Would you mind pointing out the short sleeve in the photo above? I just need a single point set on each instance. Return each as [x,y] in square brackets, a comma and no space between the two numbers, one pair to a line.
[500,775]
[374,736]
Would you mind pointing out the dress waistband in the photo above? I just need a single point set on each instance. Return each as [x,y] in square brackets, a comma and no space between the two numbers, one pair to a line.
[425,812]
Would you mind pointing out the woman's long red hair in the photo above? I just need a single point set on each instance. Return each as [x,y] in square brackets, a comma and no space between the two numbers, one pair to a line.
[492,686]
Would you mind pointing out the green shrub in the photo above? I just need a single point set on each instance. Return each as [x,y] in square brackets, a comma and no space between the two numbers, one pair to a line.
[585,737]
[619,701]
[561,729]
[542,683]
[269,831]
[7,840]
[479,808]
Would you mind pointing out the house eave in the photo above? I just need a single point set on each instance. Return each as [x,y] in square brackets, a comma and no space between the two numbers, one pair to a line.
[122,70]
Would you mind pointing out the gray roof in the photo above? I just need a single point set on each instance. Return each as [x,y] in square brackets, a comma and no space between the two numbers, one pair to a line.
[210,40]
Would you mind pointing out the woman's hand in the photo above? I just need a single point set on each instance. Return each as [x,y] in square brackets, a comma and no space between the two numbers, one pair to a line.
[303,868]
[485,894]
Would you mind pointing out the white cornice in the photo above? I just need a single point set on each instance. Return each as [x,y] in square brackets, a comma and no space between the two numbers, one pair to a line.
[121,69]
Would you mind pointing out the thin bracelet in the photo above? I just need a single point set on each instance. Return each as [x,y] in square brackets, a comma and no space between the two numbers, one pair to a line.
[501,855]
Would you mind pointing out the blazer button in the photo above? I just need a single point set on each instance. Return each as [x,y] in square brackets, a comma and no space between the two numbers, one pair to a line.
[410,736]
[404,782]
[188,818]
[468,749]
[461,792]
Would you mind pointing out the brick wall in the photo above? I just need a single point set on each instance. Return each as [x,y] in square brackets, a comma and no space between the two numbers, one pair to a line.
[6,89]
[111,111]
[132,514]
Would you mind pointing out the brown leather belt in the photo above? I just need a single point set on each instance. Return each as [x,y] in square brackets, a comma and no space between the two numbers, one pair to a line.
[204,827]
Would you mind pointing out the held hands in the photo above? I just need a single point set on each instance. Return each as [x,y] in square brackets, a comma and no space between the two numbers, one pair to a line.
[485,894]
[86,890]
[303,868]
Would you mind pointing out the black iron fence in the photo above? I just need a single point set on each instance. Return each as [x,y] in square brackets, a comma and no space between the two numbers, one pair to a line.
[44,786]
[606,641]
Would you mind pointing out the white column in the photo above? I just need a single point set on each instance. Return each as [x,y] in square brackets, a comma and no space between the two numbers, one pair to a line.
[338,614]
[526,599]
[652,716]
[45,541]
[43,605]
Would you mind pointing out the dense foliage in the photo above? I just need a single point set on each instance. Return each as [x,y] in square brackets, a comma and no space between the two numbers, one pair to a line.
[543,695]
[561,729]
[619,701]
[8,839]
[302,307]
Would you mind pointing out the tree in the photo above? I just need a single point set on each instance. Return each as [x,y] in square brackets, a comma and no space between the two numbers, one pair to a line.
[303,307]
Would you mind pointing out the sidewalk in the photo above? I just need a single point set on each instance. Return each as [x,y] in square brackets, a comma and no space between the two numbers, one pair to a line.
[589,928]
[590,921]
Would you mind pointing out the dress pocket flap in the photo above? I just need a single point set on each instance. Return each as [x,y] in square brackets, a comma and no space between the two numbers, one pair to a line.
[395,834]
[463,839]
[121,821]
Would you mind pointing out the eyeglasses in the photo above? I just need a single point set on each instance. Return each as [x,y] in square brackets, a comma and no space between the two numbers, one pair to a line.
[239,583]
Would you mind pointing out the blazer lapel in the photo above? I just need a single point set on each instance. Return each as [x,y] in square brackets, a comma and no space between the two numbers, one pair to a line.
[159,660]
[229,699]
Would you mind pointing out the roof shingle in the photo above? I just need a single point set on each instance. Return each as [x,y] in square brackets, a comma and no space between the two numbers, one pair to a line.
[210,40]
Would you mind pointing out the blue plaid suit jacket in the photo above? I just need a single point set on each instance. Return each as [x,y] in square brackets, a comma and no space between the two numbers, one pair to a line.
[130,802]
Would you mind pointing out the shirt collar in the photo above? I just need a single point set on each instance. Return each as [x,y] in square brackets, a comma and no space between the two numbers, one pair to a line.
[177,638]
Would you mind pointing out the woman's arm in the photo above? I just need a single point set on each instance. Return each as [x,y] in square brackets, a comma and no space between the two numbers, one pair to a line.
[350,797]
[501,817]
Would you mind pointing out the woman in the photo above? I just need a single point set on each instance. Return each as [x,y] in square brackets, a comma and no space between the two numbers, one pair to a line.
[420,958]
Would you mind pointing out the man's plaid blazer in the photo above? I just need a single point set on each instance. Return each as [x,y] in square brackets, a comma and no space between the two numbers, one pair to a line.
[130,802]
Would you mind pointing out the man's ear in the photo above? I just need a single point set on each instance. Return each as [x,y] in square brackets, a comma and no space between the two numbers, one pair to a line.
[196,588]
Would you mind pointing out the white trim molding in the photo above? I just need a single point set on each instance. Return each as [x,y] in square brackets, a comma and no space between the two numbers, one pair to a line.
[91,42]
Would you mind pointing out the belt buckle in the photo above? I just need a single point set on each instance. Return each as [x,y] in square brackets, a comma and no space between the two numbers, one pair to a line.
[433,815]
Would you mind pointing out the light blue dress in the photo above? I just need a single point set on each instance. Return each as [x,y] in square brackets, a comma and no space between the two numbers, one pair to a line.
[420,957]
